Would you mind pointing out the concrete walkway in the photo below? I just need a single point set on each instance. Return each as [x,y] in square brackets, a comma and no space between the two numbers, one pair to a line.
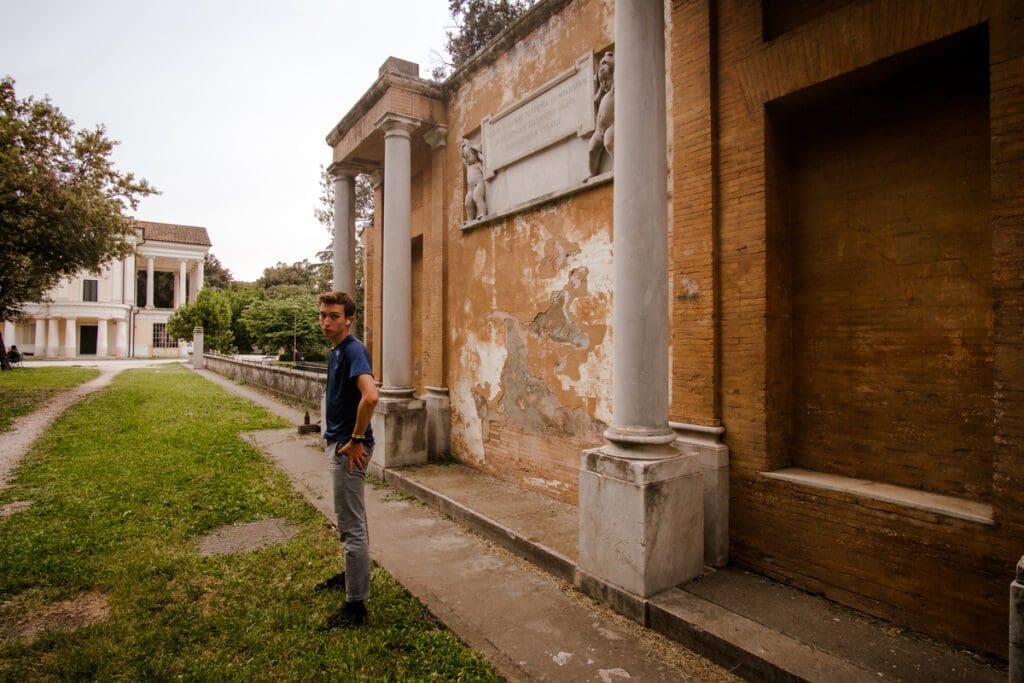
[527,623]
[531,624]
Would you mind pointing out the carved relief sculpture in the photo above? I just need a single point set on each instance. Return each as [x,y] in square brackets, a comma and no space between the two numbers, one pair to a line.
[602,139]
[476,201]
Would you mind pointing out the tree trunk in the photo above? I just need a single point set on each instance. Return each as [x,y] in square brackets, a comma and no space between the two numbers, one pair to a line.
[4,363]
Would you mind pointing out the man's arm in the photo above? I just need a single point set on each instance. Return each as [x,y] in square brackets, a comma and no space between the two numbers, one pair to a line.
[364,412]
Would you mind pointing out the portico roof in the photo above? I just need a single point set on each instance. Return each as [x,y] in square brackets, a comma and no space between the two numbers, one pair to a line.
[169,232]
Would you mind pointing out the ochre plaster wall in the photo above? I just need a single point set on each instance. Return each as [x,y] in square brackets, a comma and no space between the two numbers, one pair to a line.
[529,297]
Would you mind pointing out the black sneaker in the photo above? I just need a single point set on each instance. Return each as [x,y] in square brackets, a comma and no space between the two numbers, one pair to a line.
[335,583]
[353,614]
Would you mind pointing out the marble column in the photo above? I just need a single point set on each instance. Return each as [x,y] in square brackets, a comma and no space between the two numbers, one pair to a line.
[399,424]
[182,295]
[9,334]
[344,176]
[397,332]
[70,338]
[53,338]
[102,350]
[131,281]
[121,340]
[39,348]
[149,282]
[641,501]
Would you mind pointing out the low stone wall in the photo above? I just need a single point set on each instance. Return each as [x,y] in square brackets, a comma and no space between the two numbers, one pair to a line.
[307,387]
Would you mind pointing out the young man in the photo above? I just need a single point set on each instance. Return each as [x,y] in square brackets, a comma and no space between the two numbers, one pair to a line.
[351,399]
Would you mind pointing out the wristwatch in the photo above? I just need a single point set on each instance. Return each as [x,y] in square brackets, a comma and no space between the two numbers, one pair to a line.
[358,438]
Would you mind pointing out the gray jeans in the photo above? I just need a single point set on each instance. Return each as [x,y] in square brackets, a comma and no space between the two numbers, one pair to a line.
[350,511]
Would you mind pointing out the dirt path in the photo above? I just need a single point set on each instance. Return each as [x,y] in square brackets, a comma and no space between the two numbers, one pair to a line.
[27,428]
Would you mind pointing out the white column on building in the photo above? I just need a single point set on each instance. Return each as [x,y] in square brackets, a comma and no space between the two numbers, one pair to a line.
[117,281]
[121,341]
[344,176]
[149,281]
[131,278]
[39,348]
[181,295]
[9,334]
[102,350]
[641,502]
[70,338]
[399,423]
[397,314]
[53,338]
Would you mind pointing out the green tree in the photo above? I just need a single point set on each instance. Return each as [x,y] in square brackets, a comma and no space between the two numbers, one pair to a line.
[276,323]
[212,312]
[476,22]
[240,295]
[303,273]
[215,274]
[62,204]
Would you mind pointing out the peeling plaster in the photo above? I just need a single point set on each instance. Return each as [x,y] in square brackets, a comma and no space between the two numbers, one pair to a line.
[527,401]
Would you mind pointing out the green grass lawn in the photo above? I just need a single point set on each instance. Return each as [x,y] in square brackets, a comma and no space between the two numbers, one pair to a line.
[121,487]
[22,390]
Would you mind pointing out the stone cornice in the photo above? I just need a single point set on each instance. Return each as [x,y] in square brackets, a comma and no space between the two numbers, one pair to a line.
[386,81]
[499,44]
[344,168]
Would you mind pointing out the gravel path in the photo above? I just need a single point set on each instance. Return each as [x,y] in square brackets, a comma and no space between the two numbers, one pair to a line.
[27,428]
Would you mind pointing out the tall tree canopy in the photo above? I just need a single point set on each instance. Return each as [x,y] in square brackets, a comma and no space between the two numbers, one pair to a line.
[212,312]
[62,203]
[215,274]
[476,22]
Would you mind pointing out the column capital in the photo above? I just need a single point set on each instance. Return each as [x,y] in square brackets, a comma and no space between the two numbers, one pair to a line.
[376,177]
[345,169]
[436,136]
[397,124]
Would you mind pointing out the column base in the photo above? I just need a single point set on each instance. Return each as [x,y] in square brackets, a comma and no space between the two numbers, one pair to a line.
[438,422]
[399,433]
[705,444]
[641,521]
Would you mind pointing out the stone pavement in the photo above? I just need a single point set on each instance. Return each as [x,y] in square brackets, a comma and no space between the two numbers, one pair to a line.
[533,626]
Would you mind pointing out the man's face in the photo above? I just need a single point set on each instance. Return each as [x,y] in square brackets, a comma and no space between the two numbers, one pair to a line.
[333,322]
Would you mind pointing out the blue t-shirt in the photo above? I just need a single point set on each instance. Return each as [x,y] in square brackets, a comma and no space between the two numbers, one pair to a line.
[347,362]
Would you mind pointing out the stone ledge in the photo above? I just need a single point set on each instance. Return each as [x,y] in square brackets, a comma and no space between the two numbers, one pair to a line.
[751,650]
[948,506]
[536,553]
[588,184]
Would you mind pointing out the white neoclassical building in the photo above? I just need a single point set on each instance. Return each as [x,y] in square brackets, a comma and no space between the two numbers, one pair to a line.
[121,310]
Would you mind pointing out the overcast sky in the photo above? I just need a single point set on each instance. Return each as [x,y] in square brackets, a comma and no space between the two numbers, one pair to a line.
[223,105]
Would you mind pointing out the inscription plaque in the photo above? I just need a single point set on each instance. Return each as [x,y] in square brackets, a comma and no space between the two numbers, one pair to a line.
[560,108]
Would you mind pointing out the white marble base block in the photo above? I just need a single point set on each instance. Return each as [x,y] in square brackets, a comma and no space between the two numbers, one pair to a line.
[641,521]
[399,433]
[438,422]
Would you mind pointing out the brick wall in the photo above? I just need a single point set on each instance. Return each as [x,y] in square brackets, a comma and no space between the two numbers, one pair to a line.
[871,298]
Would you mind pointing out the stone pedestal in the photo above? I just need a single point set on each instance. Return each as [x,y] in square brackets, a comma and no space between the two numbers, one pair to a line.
[705,444]
[399,433]
[439,424]
[641,521]
[1017,626]
[198,344]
